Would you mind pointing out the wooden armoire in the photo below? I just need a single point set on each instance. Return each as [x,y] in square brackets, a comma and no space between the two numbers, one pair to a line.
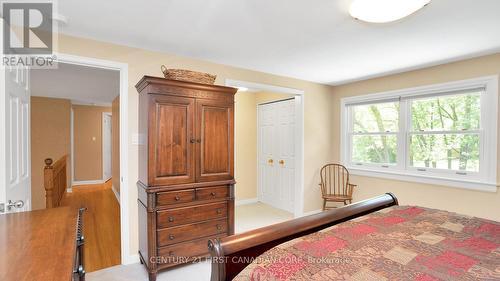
[186,183]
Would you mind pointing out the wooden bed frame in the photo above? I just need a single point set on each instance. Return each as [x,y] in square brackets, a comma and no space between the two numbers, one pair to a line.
[230,255]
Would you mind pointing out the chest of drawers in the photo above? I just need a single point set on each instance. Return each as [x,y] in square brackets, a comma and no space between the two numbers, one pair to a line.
[186,184]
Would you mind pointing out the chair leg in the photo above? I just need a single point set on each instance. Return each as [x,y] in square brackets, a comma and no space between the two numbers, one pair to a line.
[345,202]
[324,204]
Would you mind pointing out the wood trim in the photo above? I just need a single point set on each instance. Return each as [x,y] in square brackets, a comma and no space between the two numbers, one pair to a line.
[230,255]
[154,189]
[147,80]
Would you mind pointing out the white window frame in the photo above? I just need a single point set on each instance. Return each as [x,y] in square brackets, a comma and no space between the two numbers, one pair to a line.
[484,180]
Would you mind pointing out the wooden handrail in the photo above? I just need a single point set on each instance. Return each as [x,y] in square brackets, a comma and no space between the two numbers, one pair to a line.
[55,181]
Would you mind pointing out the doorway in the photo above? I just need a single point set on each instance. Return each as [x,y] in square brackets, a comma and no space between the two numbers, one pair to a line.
[126,256]
[256,172]
[71,123]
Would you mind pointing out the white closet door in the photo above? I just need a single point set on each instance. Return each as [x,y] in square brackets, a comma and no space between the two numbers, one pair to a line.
[267,173]
[285,148]
[276,149]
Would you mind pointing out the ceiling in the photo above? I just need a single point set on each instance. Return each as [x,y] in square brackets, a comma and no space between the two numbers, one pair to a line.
[81,84]
[311,40]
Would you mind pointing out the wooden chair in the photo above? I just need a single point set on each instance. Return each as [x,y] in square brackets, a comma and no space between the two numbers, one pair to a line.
[335,185]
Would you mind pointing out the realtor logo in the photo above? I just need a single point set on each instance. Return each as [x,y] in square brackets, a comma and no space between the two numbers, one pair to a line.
[28,28]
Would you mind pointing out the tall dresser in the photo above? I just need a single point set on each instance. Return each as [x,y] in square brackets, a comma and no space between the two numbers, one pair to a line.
[186,183]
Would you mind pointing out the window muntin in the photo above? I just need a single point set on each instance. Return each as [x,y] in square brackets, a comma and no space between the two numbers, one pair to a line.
[374,133]
[445,132]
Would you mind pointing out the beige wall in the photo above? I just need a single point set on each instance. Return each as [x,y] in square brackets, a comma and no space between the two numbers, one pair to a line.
[262,97]
[474,203]
[317,101]
[246,140]
[115,159]
[50,138]
[87,138]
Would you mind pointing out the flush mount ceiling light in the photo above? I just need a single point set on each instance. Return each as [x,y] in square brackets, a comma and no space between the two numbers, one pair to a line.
[381,11]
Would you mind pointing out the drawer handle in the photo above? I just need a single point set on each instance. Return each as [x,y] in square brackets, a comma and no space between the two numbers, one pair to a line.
[219,211]
[171,219]
[171,237]
[177,198]
[219,227]
[212,193]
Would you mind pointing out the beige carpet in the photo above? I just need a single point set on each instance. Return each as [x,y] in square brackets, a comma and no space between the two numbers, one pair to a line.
[247,217]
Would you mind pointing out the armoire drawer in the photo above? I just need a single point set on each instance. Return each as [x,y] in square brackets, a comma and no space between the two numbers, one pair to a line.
[172,235]
[174,197]
[178,253]
[179,216]
[215,192]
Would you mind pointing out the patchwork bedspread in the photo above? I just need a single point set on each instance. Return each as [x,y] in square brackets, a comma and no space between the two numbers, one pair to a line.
[397,243]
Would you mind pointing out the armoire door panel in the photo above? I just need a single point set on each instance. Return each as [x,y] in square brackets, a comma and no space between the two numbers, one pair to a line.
[214,148]
[173,145]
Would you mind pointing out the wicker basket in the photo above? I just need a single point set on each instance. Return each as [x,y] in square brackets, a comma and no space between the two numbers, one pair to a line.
[188,75]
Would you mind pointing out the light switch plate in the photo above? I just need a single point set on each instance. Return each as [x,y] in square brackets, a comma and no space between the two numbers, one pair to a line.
[138,139]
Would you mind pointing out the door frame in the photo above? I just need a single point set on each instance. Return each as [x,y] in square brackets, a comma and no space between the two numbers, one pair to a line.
[104,114]
[299,135]
[126,256]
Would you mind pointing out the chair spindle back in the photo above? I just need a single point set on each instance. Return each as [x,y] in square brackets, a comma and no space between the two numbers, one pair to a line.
[334,180]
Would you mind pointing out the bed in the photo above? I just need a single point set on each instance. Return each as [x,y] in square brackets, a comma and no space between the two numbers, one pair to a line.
[375,239]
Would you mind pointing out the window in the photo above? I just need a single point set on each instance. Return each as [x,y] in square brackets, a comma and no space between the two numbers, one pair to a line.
[374,133]
[441,134]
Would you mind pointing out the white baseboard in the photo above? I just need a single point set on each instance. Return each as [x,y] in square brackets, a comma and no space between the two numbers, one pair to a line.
[312,212]
[130,259]
[116,194]
[69,190]
[246,201]
[75,183]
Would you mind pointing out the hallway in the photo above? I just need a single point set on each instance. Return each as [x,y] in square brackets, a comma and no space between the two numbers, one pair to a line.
[101,224]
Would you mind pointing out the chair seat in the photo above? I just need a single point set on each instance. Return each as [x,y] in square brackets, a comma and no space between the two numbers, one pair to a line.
[340,198]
